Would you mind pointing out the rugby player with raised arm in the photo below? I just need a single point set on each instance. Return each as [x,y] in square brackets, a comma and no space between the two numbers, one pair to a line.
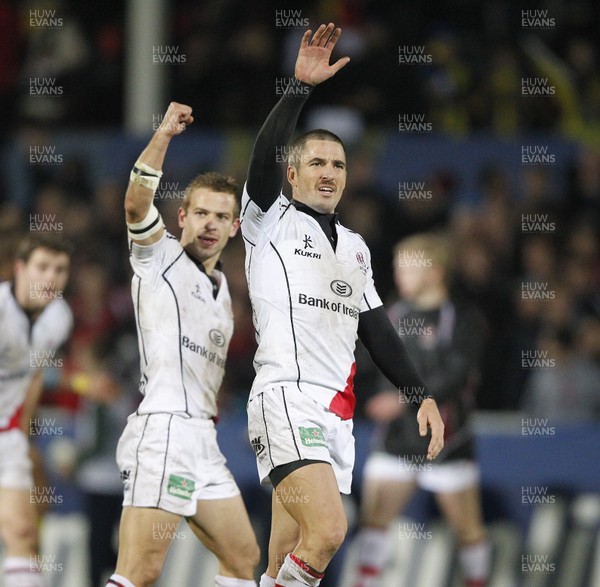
[312,294]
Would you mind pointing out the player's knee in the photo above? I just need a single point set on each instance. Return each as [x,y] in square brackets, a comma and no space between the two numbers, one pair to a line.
[20,533]
[252,556]
[149,573]
[243,561]
[331,536]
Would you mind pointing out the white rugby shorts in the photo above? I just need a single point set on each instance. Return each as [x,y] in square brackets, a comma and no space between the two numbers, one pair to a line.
[285,425]
[15,464]
[170,462]
[447,477]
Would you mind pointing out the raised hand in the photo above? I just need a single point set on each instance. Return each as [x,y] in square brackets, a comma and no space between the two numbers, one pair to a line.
[312,64]
[176,119]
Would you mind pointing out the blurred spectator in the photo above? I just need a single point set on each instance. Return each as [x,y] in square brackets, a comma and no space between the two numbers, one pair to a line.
[57,53]
[503,91]
[447,83]
[564,386]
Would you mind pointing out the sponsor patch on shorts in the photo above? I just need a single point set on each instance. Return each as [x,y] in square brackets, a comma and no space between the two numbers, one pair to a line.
[312,436]
[181,487]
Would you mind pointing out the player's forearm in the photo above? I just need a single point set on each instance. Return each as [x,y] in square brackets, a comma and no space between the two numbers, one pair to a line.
[138,198]
[264,173]
[382,341]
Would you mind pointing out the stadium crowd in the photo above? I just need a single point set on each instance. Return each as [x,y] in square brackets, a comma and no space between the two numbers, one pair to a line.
[526,250]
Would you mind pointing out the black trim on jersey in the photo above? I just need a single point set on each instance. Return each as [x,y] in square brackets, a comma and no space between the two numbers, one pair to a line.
[245,208]
[287,281]
[178,326]
[137,459]
[367,301]
[165,461]
[200,265]
[286,209]
[249,242]
[137,320]
[290,422]
[262,405]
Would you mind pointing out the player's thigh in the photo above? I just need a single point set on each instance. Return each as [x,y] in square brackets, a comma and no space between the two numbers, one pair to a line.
[311,496]
[223,525]
[285,535]
[386,489]
[383,500]
[462,510]
[17,518]
[145,535]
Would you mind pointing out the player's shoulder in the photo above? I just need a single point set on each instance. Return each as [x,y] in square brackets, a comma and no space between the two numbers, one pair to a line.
[5,295]
[59,312]
[351,233]
[160,251]
[354,237]
[5,289]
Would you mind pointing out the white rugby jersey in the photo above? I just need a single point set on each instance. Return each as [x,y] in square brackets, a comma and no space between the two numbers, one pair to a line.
[183,332]
[306,299]
[27,346]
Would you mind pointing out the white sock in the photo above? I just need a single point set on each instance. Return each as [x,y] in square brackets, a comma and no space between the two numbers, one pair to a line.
[21,571]
[119,581]
[296,573]
[221,581]
[475,561]
[373,554]
[266,581]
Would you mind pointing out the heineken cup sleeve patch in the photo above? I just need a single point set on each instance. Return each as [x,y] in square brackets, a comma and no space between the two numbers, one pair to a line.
[312,436]
[181,487]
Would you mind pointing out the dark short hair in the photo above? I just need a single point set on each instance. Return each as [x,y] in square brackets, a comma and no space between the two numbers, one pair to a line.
[217,183]
[40,240]
[318,134]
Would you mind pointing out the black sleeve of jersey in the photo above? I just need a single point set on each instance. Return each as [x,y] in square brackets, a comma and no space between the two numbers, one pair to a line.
[387,350]
[264,173]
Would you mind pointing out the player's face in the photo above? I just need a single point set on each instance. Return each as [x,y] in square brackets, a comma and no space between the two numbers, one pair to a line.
[42,278]
[320,177]
[208,224]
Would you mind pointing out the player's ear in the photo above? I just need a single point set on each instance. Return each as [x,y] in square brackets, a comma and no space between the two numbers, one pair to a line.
[180,216]
[291,175]
[19,266]
[234,228]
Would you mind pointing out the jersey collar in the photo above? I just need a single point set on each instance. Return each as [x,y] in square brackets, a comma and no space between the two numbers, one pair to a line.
[301,207]
[327,222]
[218,266]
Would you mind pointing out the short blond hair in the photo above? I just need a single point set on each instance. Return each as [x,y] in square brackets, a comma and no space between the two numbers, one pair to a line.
[435,246]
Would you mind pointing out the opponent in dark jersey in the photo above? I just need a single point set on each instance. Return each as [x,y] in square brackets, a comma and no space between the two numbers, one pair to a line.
[444,340]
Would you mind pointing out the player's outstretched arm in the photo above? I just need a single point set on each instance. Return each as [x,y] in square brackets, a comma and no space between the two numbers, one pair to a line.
[265,176]
[387,350]
[140,213]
